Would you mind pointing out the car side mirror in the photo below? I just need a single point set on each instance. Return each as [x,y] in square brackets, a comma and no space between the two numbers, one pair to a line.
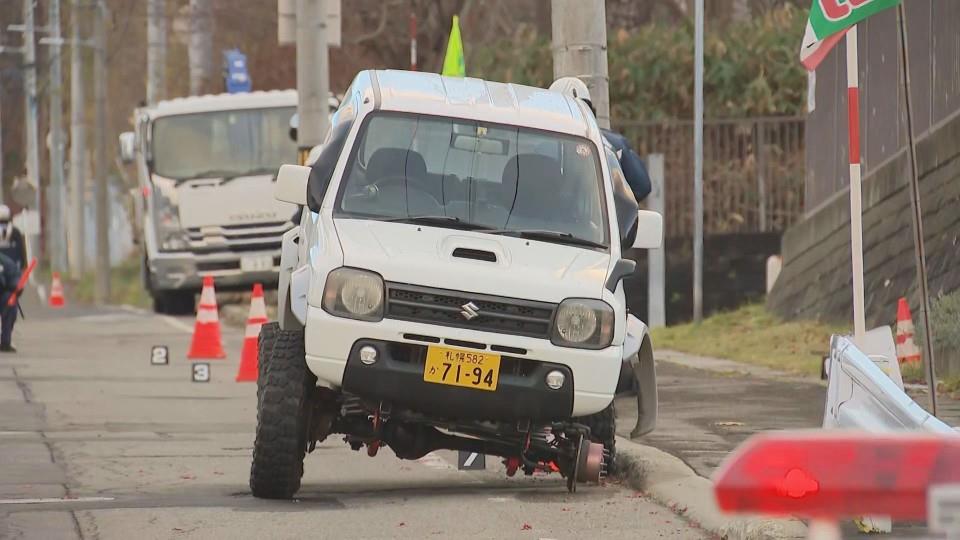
[292,184]
[649,230]
[128,146]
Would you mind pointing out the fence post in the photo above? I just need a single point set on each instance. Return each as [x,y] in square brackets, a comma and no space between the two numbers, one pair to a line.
[656,258]
[760,139]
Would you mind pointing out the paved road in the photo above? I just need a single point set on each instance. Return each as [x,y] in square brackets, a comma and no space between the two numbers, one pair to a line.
[96,443]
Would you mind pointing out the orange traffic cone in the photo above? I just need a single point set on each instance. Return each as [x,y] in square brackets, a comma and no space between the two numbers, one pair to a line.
[206,332]
[907,350]
[258,315]
[56,299]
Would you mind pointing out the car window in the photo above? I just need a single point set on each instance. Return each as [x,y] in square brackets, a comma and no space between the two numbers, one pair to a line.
[491,175]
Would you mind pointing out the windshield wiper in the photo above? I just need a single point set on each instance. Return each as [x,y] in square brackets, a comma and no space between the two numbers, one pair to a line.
[224,175]
[548,236]
[449,221]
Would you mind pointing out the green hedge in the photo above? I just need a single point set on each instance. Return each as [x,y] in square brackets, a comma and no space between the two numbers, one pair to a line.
[751,68]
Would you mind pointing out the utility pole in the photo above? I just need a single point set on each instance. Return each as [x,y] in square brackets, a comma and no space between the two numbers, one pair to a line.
[78,150]
[2,196]
[102,274]
[156,50]
[56,233]
[313,75]
[200,52]
[698,164]
[580,49]
[30,95]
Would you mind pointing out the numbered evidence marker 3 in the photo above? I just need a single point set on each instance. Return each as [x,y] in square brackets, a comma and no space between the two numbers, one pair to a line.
[471,461]
[159,355]
[201,372]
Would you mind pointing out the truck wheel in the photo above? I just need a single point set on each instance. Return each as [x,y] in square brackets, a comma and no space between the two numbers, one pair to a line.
[174,302]
[282,407]
[603,430]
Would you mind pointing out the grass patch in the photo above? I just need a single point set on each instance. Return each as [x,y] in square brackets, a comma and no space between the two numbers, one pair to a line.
[753,335]
[125,285]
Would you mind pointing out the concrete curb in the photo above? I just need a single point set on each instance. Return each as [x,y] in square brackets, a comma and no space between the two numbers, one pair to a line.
[671,482]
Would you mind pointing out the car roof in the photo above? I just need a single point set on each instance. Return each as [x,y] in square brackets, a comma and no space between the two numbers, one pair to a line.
[222,102]
[478,99]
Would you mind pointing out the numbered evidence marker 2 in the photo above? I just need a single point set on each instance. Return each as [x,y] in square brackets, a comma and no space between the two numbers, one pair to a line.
[471,461]
[201,371]
[159,355]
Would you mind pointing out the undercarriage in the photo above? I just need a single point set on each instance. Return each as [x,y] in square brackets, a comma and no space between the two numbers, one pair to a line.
[563,447]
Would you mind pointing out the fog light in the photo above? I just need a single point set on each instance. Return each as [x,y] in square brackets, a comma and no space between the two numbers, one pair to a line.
[368,355]
[555,379]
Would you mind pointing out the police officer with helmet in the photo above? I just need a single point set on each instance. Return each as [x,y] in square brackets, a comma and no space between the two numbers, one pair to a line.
[13,260]
[633,168]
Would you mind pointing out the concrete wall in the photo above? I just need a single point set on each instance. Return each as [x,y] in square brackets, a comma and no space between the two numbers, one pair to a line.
[816,278]
[934,48]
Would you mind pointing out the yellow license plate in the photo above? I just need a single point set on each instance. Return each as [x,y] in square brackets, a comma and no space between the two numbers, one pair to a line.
[456,367]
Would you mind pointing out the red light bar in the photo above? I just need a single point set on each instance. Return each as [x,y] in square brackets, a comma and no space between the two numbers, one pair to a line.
[837,474]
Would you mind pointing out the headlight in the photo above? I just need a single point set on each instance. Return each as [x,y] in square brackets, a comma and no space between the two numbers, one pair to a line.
[166,215]
[583,323]
[354,294]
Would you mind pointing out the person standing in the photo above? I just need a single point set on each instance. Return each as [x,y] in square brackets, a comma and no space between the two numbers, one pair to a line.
[13,260]
[634,171]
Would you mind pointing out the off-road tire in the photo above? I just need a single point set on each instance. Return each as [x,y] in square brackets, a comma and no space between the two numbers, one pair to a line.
[282,404]
[603,429]
[265,342]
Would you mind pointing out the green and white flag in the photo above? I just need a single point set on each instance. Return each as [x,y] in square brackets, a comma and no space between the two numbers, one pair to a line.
[829,20]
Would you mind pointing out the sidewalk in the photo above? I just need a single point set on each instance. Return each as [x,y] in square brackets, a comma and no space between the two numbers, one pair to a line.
[708,406]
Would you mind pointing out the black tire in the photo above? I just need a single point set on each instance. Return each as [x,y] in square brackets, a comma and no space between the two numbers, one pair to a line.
[283,398]
[603,430]
[174,302]
[265,342]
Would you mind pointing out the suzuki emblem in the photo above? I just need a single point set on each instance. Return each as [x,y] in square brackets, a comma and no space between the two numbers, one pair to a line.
[470,311]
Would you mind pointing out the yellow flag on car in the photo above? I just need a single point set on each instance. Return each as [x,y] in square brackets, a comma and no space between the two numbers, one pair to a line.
[453,63]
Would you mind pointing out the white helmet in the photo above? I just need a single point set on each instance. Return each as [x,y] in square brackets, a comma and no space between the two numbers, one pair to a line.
[571,86]
[4,213]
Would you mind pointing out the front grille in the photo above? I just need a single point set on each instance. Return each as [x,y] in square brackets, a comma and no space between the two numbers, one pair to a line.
[246,237]
[448,308]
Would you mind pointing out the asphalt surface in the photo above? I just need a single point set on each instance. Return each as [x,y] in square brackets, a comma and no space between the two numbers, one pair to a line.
[97,443]
[703,415]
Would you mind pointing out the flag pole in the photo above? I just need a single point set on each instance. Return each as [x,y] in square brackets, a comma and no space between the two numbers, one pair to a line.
[856,214]
[919,250]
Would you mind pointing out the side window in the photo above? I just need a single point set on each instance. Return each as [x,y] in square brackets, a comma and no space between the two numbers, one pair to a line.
[322,171]
[625,205]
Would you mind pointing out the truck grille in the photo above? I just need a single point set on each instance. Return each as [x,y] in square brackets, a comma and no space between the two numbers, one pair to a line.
[486,313]
[254,237]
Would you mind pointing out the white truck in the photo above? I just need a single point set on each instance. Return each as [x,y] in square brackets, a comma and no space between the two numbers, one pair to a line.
[206,168]
[454,283]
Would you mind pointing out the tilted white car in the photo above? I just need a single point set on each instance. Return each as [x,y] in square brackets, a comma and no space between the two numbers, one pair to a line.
[454,283]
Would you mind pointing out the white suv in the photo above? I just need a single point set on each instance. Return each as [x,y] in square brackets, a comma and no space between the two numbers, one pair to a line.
[455,283]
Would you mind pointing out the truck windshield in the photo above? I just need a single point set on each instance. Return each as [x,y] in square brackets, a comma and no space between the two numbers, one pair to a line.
[467,174]
[223,143]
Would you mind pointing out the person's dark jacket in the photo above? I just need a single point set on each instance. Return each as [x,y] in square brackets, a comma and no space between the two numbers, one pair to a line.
[633,168]
[13,245]
[9,276]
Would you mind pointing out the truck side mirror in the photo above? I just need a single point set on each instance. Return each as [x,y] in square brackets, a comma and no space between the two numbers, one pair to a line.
[649,230]
[128,146]
[292,184]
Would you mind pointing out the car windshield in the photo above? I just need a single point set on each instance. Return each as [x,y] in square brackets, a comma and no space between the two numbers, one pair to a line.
[223,143]
[475,175]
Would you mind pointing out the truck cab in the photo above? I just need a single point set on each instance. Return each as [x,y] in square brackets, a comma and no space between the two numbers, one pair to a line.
[206,168]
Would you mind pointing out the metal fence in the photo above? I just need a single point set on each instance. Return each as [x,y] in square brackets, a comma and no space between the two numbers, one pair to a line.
[753,172]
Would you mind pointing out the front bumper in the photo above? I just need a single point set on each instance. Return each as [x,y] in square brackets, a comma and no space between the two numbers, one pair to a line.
[330,341]
[397,378]
[185,270]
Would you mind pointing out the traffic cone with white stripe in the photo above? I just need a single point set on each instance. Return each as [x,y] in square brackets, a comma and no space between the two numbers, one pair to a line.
[206,332]
[907,350]
[248,357]
[56,299]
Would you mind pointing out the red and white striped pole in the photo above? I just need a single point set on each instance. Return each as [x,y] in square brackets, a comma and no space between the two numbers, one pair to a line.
[856,221]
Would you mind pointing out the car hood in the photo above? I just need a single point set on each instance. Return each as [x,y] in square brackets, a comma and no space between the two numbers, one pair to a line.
[438,257]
